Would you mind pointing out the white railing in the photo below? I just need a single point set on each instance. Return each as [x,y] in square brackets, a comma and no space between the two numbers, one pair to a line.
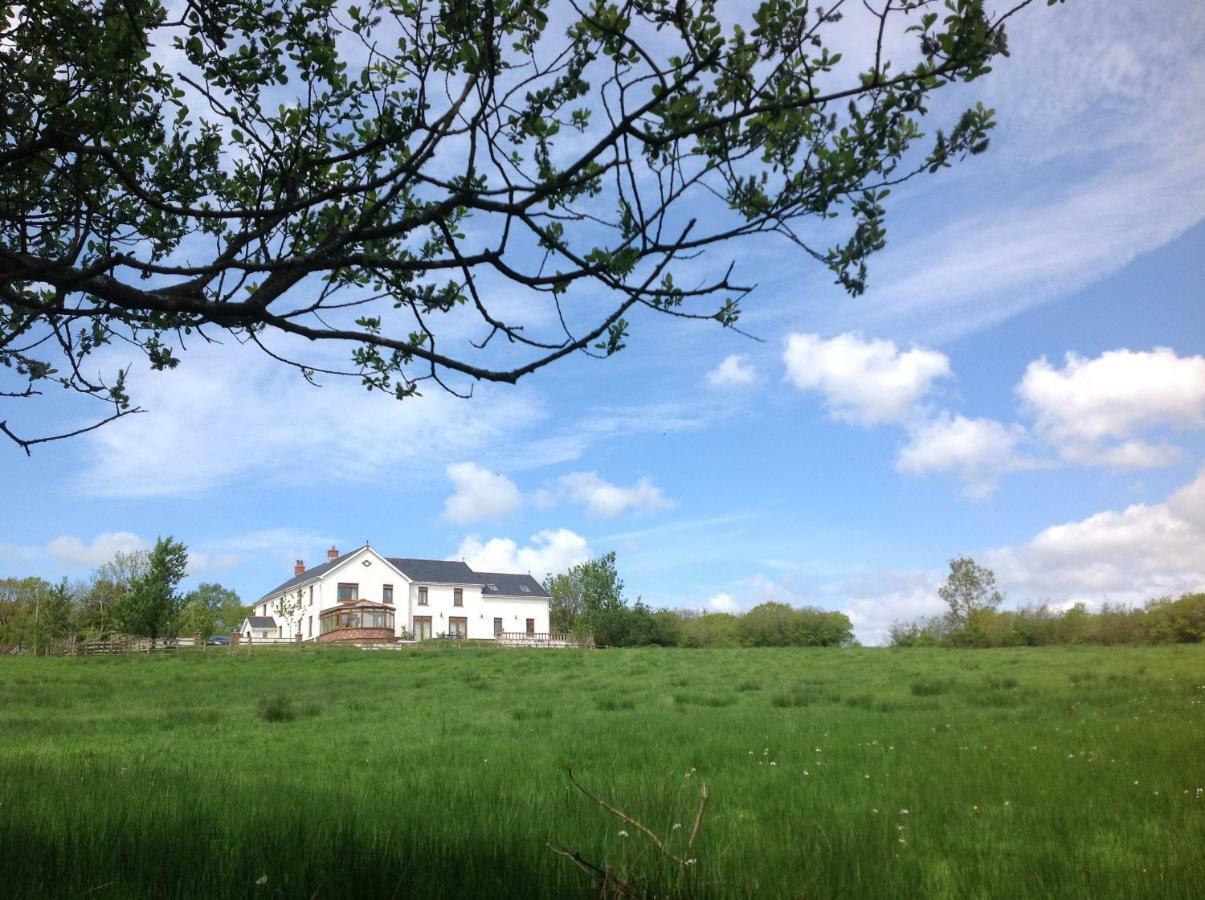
[542,639]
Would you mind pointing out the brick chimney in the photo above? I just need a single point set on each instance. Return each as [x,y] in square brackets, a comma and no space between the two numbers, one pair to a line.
[298,567]
[332,553]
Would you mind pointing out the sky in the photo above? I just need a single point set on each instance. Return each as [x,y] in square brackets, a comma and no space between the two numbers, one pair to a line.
[1023,382]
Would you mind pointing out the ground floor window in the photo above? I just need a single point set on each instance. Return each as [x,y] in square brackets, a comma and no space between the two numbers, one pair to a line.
[309,627]
[531,626]
[458,627]
[497,625]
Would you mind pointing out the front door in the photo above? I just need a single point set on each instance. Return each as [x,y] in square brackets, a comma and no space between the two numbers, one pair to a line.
[458,627]
[422,627]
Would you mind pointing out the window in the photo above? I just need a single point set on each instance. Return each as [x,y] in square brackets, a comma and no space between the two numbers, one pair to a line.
[497,626]
[492,587]
[263,610]
[309,626]
[311,595]
[525,589]
[458,597]
[349,593]
[531,626]
[378,620]
[458,627]
[422,596]
[387,594]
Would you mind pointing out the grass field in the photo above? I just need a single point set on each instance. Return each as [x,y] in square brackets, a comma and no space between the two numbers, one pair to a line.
[1059,772]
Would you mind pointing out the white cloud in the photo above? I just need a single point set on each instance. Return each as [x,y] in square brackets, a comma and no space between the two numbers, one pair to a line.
[734,371]
[607,500]
[1092,409]
[480,494]
[1129,556]
[866,382]
[722,602]
[202,562]
[977,449]
[873,601]
[71,551]
[549,552]
[231,415]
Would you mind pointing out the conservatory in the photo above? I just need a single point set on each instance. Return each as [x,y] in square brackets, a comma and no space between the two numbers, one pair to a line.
[360,622]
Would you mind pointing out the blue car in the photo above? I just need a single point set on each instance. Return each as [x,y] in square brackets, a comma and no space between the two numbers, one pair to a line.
[218,640]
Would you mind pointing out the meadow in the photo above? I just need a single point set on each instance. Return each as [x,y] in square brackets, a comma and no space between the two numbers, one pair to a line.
[1030,772]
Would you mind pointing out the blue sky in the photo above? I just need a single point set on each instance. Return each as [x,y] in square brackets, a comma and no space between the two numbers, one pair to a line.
[1024,382]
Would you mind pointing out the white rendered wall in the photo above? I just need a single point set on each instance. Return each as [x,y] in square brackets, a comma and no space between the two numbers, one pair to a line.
[477,610]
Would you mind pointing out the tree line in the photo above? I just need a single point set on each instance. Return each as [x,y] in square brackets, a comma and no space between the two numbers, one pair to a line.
[974,619]
[589,599]
[133,593]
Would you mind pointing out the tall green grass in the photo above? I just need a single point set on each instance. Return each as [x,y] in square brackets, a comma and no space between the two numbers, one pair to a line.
[1068,772]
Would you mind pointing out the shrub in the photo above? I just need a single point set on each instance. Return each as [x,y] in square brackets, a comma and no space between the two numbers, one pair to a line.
[278,708]
[1001,682]
[610,704]
[930,687]
[704,699]
[524,715]
[797,695]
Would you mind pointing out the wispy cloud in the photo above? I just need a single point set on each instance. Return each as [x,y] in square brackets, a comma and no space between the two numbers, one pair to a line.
[229,415]
[1096,161]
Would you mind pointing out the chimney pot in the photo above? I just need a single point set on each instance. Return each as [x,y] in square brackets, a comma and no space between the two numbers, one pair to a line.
[332,553]
[298,567]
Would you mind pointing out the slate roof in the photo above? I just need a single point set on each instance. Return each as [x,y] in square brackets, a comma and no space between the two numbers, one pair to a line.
[439,571]
[261,621]
[511,585]
[432,571]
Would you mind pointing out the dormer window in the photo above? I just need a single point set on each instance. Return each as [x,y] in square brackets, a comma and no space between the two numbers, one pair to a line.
[525,589]
[492,587]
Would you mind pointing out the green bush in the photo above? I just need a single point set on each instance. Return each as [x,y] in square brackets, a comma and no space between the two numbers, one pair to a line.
[277,708]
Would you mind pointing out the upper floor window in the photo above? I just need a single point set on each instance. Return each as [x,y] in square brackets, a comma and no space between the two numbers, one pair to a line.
[422,596]
[387,593]
[458,597]
[492,587]
[349,593]
[525,589]
[311,595]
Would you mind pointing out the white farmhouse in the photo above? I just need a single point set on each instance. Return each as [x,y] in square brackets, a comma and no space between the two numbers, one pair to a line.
[363,596]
